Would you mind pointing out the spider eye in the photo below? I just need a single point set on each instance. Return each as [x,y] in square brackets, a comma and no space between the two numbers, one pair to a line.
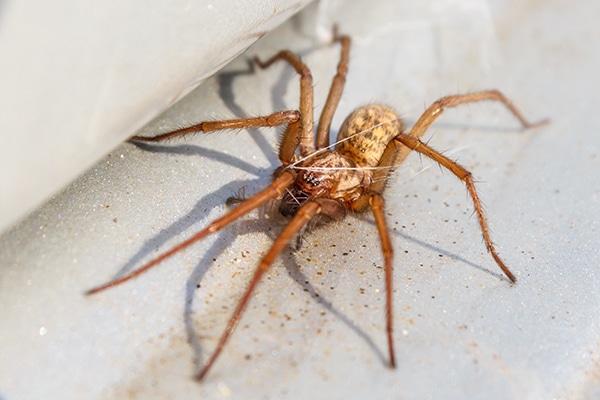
[311,179]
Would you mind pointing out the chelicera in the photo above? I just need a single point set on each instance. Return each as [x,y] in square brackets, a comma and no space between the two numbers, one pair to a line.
[318,180]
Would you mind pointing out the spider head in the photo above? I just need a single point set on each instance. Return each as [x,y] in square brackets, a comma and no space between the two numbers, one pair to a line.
[328,178]
[309,185]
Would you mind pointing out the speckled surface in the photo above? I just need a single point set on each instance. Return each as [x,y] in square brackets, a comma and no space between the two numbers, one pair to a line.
[315,327]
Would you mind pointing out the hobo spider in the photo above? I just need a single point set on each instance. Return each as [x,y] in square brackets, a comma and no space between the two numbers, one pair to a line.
[325,181]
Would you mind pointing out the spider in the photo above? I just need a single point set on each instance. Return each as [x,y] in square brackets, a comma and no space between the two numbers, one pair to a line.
[318,180]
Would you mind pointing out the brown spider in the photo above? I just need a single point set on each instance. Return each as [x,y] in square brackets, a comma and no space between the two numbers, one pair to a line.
[317,179]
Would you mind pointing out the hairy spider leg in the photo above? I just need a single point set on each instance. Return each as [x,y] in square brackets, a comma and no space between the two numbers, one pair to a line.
[273,191]
[305,137]
[335,93]
[302,217]
[274,119]
[378,207]
[395,154]
[413,142]
[294,135]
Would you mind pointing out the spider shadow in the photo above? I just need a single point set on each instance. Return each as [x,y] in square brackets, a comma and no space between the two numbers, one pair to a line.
[218,156]
[302,280]
[247,227]
[442,125]
[250,227]
[193,283]
[467,126]
[223,240]
[438,250]
[225,83]
[185,222]
[180,226]
[203,205]
[453,256]
[278,89]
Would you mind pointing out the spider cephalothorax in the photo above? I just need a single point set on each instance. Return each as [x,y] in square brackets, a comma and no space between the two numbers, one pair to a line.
[328,176]
[318,180]
[347,173]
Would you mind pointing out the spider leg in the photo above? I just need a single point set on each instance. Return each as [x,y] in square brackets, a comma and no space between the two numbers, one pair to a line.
[395,153]
[275,119]
[290,118]
[464,175]
[434,110]
[335,93]
[305,132]
[273,191]
[375,201]
[304,214]
[412,141]
[377,205]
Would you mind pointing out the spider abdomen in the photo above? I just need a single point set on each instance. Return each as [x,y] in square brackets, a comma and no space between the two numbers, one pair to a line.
[366,132]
